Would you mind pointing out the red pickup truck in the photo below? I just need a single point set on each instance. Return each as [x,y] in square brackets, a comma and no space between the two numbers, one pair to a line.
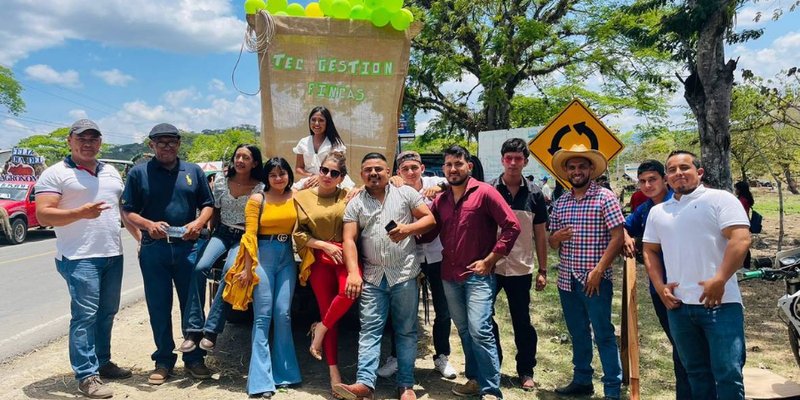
[17,210]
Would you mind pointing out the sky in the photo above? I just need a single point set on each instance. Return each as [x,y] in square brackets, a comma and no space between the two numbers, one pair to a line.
[129,65]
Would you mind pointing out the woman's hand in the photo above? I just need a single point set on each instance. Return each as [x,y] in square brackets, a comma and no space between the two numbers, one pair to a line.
[334,252]
[311,181]
[243,278]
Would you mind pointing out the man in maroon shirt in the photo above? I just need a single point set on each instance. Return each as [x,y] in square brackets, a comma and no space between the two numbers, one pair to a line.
[467,215]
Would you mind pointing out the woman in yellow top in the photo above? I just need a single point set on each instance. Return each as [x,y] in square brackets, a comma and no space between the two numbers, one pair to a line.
[274,274]
[319,242]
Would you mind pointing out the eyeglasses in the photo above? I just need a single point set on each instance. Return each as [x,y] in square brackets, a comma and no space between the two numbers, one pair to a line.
[172,144]
[332,172]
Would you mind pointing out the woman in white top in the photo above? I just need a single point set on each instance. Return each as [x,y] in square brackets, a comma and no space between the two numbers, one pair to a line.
[312,149]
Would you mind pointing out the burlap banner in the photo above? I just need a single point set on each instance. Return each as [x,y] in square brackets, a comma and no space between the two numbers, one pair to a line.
[355,69]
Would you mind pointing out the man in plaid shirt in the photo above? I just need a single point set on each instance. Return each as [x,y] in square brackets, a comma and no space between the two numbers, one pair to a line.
[586,226]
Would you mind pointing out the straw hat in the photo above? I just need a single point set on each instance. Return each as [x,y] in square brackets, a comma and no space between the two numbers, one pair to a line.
[578,150]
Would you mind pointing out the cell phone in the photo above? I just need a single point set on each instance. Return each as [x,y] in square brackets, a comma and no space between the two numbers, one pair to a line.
[391,225]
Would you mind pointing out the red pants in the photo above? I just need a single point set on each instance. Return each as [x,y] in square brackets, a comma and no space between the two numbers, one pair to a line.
[328,283]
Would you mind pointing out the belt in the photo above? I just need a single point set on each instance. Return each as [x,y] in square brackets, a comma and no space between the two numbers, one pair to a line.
[230,229]
[282,237]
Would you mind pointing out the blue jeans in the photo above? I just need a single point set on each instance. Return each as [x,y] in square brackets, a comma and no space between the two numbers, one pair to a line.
[579,312]
[471,302]
[222,241]
[94,285]
[710,342]
[376,301]
[163,265]
[273,363]
[682,388]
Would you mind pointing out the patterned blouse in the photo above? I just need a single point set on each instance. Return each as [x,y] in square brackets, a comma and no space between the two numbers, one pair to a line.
[231,208]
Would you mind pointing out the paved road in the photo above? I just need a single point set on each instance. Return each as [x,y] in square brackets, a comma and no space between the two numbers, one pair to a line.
[34,302]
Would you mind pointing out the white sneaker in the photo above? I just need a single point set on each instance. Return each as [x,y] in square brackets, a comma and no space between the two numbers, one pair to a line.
[442,365]
[389,368]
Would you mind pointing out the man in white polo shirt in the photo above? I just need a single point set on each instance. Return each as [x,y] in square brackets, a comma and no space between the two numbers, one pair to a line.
[79,196]
[704,236]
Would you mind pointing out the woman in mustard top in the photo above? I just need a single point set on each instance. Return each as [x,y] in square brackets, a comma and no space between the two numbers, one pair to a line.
[319,243]
[269,241]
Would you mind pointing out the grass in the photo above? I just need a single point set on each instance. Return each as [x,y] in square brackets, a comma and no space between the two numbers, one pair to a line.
[767,202]
[554,365]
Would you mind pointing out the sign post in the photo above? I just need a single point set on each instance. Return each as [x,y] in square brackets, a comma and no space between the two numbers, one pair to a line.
[576,124]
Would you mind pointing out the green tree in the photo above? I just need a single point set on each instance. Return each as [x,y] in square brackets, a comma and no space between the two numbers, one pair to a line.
[53,146]
[218,147]
[513,44]
[433,143]
[695,33]
[10,92]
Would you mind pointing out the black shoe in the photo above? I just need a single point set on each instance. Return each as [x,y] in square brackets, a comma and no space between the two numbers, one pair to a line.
[112,371]
[576,389]
[198,370]
[265,395]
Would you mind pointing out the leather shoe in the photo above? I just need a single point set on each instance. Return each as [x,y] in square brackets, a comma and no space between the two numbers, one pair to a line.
[356,391]
[113,371]
[576,389]
[406,393]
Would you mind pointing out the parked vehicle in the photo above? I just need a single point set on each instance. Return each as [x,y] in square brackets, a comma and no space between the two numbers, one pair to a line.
[18,213]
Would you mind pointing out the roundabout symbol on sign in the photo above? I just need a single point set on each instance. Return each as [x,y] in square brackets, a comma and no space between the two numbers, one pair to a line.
[581,129]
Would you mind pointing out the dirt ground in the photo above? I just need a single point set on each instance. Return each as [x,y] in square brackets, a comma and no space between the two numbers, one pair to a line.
[46,374]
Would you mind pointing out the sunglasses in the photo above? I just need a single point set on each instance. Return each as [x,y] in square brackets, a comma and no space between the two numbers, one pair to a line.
[172,144]
[332,172]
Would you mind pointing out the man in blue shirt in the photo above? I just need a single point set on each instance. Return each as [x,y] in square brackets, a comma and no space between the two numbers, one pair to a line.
[167,192]
[654,185]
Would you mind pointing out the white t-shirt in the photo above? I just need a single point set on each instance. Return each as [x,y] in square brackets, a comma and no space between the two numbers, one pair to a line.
[689,231]
[313,160]
[430,252]
[85,238]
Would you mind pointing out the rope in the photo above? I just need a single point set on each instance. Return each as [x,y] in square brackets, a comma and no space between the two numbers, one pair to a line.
[255,43]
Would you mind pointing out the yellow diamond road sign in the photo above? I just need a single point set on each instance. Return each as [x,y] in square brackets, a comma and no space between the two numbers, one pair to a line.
[576,124]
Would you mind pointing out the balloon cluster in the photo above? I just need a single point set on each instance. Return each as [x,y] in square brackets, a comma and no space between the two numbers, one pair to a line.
[380,12]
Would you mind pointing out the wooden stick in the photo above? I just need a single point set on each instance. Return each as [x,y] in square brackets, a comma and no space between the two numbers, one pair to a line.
[632,327]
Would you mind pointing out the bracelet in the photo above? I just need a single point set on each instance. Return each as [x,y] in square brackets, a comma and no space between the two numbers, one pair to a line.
[543,271]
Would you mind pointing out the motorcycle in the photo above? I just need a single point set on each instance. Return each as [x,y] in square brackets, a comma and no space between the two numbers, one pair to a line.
[784,266]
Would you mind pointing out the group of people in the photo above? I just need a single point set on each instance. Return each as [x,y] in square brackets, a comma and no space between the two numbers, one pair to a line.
[369,244]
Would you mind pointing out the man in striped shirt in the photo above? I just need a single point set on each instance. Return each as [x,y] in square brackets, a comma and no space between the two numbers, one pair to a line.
[586,227]
[385,219]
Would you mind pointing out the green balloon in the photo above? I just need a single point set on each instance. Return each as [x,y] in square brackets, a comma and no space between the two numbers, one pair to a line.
[360,12]
[327,7]
[296,10]
[340,9]
[380,17]
[252,6]
[373,4]
[282,13]
[274,6]
[354,3]
[408,13]
[400,21]
[393,5]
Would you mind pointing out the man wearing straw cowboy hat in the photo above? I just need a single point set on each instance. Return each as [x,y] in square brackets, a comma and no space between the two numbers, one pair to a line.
[586,226]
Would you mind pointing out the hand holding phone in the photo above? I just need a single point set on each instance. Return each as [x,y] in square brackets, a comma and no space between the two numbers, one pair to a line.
[391,225]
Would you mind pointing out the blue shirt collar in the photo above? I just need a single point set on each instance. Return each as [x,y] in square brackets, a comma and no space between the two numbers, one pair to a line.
[71,164]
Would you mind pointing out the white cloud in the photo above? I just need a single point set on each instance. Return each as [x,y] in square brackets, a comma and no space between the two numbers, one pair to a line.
[216,85]
[10,123]
[78,114]
[762,10]
[184,26]
[46,74]
[176,98]
[114,77]
[772,58]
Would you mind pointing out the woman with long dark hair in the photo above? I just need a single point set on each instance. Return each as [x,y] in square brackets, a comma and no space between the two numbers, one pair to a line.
[267,261]
[323,139]
[742,192]
[244,177]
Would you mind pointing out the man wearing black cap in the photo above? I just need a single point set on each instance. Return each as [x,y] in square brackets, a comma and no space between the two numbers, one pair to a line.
[162,193]
[79,197]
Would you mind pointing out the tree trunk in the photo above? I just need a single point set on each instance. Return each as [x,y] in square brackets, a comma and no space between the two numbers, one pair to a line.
[791,184]
[708,92]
